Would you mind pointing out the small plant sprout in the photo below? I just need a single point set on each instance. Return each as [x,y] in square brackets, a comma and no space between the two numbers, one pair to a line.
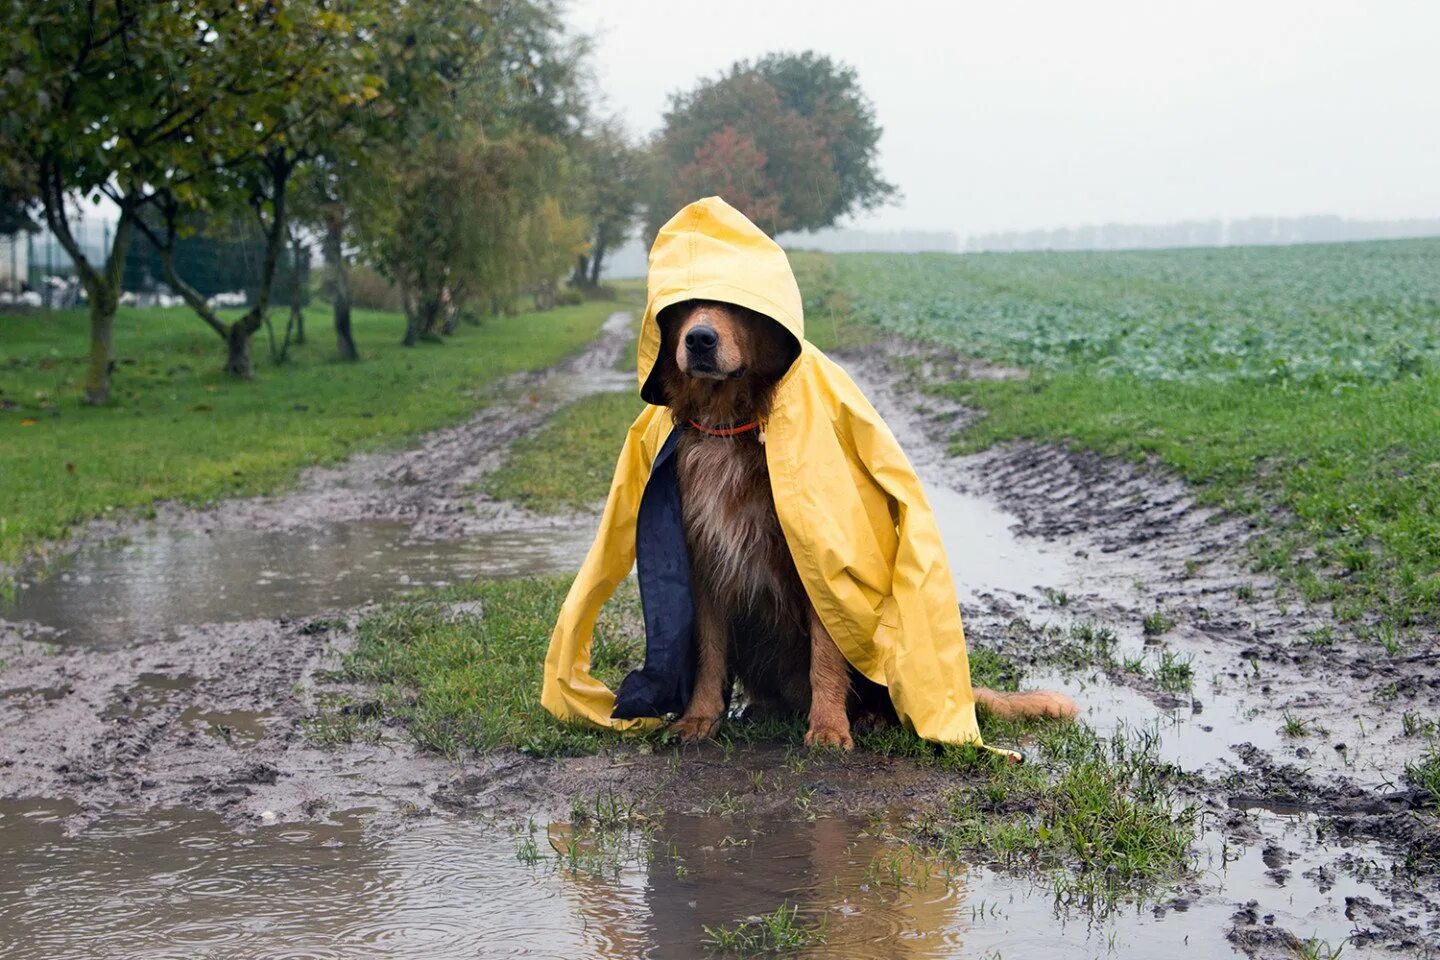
[776,932]
[1156,623]
[1294,726]
[1174,672]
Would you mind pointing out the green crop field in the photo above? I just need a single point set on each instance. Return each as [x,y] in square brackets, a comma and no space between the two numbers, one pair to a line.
[1300,384]
[1337,314]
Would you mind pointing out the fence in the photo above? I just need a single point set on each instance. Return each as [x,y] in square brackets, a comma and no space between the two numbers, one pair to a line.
[36,271]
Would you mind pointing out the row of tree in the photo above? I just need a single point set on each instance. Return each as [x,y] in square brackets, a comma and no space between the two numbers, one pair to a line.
[450,144]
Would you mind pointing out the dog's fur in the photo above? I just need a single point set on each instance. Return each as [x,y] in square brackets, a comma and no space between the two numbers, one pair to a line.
[753,621]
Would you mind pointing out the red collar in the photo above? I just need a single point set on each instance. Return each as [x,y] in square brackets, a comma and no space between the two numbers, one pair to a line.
[725,431]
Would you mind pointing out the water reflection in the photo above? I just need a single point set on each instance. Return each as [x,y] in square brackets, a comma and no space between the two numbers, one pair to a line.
[109,596]
[182,884]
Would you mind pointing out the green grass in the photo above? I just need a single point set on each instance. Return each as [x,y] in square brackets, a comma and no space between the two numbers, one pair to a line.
[569,463]
[1100,814]
[468,683]
[178,428]
[1425,773]
[1156,623]
[1298,385]
[774,932]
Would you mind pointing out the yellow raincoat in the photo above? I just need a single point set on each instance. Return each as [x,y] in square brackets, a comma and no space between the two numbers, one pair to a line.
[859,527]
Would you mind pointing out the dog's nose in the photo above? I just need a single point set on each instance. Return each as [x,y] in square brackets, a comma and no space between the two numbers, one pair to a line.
[701,339]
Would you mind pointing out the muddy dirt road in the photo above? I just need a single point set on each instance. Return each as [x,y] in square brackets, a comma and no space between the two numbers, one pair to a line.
[155,688]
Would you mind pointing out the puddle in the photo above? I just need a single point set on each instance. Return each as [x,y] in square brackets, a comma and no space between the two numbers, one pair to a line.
[984,551]
[109,596]
[181,884]
[239,727]
[150,690]
[35,694]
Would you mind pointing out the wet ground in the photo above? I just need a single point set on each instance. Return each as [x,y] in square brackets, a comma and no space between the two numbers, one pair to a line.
[179,883]
[165,801]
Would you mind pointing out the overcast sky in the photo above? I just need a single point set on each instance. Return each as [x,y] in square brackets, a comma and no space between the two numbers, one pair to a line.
[1018,115]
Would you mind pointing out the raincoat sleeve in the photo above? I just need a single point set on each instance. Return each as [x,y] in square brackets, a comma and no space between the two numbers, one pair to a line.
[569,691]
[920,633]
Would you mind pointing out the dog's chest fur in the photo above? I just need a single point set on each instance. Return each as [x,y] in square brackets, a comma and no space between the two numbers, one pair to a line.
[742,564]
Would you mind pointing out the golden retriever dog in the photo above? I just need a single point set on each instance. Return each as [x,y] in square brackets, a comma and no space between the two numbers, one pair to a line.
[753,620]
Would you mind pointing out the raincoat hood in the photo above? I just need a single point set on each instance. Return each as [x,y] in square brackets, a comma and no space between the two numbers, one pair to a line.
[855,518]
[710,251]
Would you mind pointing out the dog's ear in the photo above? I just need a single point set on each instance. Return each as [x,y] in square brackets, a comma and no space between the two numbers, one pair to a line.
[774,347]
[659,385]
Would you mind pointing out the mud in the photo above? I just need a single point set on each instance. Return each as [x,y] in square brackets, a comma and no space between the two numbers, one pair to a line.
[155,715]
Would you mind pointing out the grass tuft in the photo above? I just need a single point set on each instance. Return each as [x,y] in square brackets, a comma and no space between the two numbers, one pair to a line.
[1425,774]
[774,932]
[1103,811]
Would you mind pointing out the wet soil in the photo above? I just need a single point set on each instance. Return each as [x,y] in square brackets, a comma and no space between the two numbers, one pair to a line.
[149,714]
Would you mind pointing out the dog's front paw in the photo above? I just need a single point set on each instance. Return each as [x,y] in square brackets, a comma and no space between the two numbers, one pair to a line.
[827,734]
[690,729]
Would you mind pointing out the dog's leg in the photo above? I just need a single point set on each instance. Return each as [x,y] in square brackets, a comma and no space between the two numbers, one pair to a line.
[707,701]
[829,691]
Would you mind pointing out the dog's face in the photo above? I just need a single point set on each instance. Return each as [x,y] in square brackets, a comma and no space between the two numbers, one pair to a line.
[712,341]
[719,341]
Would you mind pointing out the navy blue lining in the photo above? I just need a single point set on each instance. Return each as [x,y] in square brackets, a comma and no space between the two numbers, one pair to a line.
[662,565]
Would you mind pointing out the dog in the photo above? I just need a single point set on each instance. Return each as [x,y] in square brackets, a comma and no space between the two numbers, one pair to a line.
[753,620]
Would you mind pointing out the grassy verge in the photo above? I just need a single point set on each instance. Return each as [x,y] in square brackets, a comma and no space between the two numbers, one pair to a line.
[1348,482]
[569,463]
[1298,385]
[179,428]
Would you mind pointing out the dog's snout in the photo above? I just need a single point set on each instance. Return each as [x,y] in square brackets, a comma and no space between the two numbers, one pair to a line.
[701,339]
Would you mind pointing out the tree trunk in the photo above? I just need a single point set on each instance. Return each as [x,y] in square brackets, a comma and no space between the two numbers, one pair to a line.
[297,298]
[595,258]
[412,314]
[422,315]
[237,355]
[102,287]
[102,350]
[340,285]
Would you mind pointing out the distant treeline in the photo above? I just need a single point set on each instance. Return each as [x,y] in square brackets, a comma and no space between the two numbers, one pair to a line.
[836,240]
[1250,231]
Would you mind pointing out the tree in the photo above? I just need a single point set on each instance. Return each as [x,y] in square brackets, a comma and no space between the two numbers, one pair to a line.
[611,173]
[792,137]
[453,229]
[729,163]
[160,104]
[427,58]
[311,82]
[442,214]
[549,242]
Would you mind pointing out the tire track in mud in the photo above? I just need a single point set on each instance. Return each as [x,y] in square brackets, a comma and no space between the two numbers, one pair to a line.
[1141,544]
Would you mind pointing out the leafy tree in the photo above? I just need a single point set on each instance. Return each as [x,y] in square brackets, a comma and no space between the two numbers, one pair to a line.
[791,137]
[611,178]
[549,243]
[729,163]
[145,100]
[315,84]
[428,58]
[19,192]
[440,215]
